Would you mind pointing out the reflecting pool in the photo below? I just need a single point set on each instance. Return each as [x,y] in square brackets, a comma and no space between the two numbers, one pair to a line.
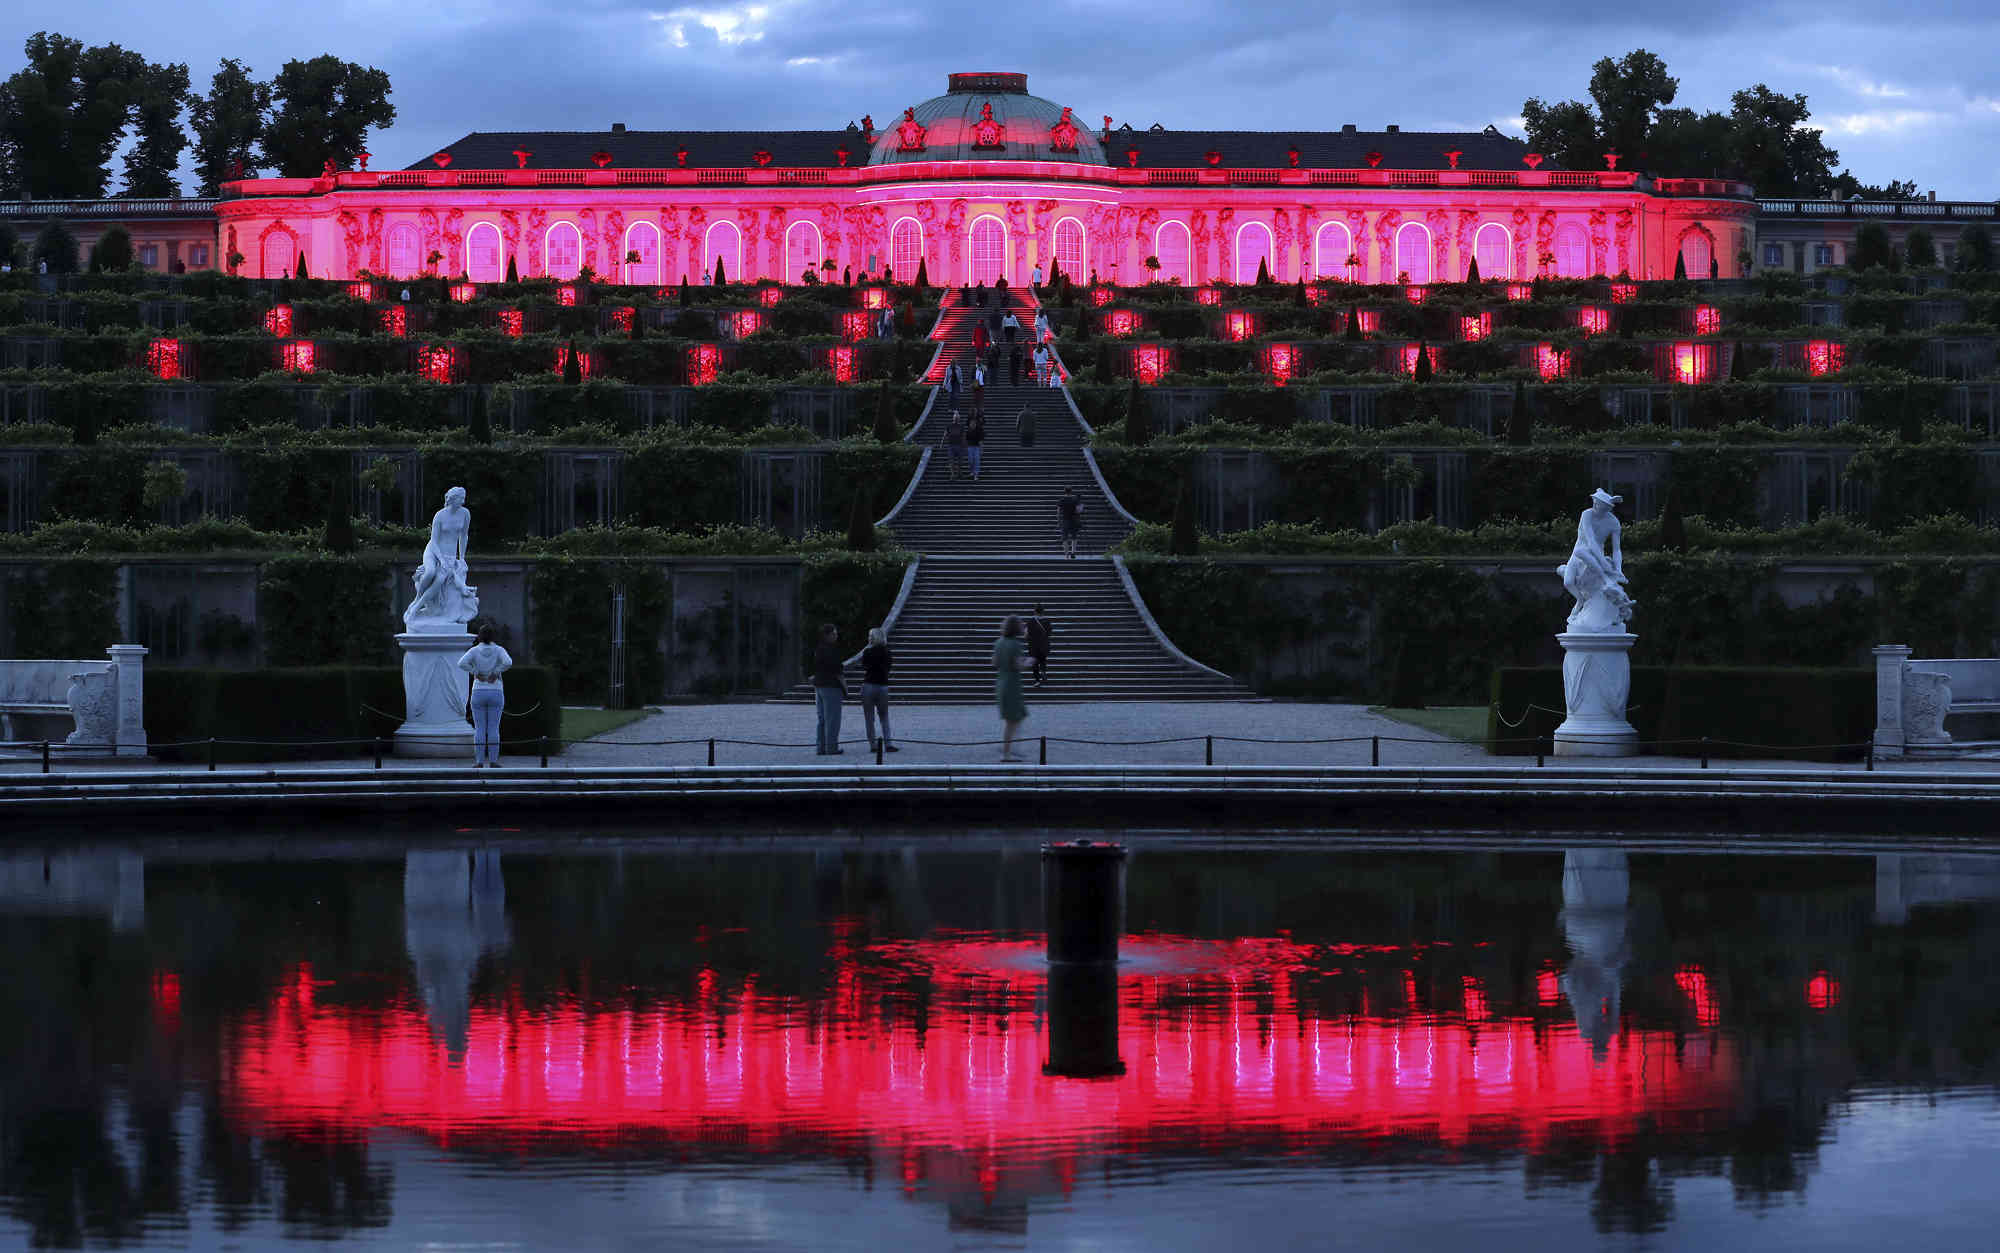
[787,1046]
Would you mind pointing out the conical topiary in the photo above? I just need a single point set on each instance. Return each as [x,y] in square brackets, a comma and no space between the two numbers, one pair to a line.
[1138,423]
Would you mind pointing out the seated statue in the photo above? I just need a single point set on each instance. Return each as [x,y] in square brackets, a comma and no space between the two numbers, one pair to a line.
[1595,579]
[443,599]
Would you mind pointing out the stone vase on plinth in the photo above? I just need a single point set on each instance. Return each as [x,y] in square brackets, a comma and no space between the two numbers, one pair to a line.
[1597,679]
[434,721]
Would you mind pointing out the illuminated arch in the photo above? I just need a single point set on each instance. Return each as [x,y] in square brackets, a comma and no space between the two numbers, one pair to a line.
[1493,246]
[1697,250]
[1413,252]
[803,251]
[906,247]
[723,243]
[405,251]
[1070,247]
[644,239]
[483,260]
[1173,246]
[1253,246]
[986,248]
[1572,249]
[1333,244]
[562,250]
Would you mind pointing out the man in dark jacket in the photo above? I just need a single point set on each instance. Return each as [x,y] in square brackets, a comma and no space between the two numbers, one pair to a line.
[829,688]
[1039,630]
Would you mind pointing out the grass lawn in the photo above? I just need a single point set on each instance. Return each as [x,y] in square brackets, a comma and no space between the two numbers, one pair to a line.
[1460,722]
[586,724]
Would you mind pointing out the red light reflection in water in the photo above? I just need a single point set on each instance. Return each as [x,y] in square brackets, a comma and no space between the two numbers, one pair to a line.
[1218,1051]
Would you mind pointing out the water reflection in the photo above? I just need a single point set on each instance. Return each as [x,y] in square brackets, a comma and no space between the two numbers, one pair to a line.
[235,1045]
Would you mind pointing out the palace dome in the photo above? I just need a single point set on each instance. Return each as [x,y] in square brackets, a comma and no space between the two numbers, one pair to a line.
[978,107]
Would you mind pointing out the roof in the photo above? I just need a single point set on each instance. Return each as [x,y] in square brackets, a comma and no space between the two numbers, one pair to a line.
[650,150]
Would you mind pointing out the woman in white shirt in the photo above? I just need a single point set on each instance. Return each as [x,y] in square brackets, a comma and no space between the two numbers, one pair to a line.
[485,662]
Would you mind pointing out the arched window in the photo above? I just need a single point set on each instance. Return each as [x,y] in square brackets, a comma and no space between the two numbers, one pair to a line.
[565,250]
[281,253]
[642,238]
[406,251]
[482,254]
[1413,252]
[989,249]
[1253,251]
[1333,244]
[1069,249]
[1572,252]
[1173,246]
[802,252]
[1493,247]
[1696,253]
[723,243]
[906,248]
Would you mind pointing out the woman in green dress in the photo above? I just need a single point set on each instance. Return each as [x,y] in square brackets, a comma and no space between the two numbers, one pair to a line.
[1007,652]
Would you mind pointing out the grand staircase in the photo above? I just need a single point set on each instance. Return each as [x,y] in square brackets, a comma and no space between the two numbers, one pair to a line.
[992,548]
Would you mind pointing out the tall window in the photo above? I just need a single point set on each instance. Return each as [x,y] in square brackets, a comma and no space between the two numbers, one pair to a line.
[1069,249]
[1332,246]
[1572,248]
[989,250]
[1172,245]
[1696,252]
[802,252]
[280,254]
[906,247]
[642,238]
[1253,250]
[1492,247]
[406,251]
[565,250]
[724,243]
[482,254]
[1413,251]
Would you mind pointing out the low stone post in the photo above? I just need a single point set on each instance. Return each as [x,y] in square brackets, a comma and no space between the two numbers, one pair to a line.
[128,665]
[1890,662]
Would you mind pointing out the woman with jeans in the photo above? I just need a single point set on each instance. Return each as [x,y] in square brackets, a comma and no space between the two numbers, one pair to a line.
[875,662]
[485,661]
[829,689]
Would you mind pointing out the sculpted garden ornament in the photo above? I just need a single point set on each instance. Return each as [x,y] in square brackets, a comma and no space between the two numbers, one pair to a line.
[444,602]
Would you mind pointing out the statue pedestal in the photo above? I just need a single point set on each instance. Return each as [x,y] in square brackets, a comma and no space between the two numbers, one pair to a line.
[434,711]
[1597,677]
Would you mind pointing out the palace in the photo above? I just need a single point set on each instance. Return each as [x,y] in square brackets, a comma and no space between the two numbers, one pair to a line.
[982,182]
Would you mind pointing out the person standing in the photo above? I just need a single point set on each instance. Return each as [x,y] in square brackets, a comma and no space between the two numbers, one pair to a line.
[875,662]
[975,436]
[1039,630]
[1069,518]
[1007,685]
[829,689]
[954,443]
[486,661]
[1024,426]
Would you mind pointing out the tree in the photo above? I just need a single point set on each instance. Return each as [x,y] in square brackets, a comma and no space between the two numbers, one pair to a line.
[56,246]
[1871,247]
[1919,250]
[159,95]
[1138,423]
[61,118]
[1975,248]
[321,111]
[228,126]
[113,252]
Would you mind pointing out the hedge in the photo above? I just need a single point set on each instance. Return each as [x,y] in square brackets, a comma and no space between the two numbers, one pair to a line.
[187,707]
[1800,713]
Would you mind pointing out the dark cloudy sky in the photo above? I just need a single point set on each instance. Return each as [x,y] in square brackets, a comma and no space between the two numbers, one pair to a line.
[1903,88]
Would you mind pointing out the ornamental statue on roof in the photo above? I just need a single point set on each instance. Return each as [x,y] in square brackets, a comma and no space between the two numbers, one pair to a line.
[986,131]
[910,133]
[1062,136]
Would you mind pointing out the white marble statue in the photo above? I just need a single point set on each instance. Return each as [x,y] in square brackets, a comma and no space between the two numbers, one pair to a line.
[444,601]
[1596,579]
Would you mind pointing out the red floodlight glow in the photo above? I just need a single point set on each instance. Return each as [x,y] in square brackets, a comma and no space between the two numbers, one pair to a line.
[394,320]
[769,296]
[1824,357]
[163,358]
[704,361]
[278,320]
[1121,322]
[845,362]
[1551,363]
[511,323]
[464,293]
[1473,327]
[1208,296]
[1149,363]
[1593,319]
[298,357]
[1707,320]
